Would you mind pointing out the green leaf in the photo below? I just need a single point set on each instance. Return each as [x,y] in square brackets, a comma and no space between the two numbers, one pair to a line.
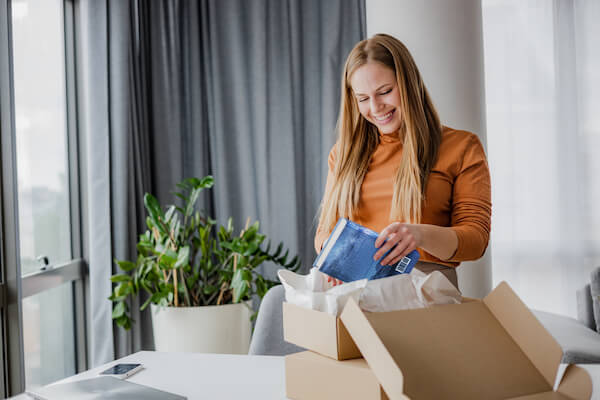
[169,214]
[119,310]
[146,303]
[183,257]
[252,248]
[282,259]
[278,251]
[210,289]
[123,289]
[124,321]
[125,265]
[189,208]
[153,207]
[144,247]
[120,278]
[181,196]
[261,286]
[206,182]
[240,284]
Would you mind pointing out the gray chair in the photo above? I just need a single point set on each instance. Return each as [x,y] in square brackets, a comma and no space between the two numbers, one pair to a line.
[579,338]
[267,338]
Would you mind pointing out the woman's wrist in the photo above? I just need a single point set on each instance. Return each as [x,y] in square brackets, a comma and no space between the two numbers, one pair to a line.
[439,241]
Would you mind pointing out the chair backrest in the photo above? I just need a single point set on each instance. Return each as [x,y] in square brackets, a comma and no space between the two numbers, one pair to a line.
[593,297]
[267,338]
[585,307]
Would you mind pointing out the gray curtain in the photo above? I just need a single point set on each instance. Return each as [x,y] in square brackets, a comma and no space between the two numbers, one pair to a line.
[246,91]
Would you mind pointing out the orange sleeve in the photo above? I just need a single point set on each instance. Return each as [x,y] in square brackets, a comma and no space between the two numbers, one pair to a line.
[322,231]
[472,204]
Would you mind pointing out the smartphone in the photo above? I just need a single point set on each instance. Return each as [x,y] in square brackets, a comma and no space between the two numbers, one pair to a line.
[122,371]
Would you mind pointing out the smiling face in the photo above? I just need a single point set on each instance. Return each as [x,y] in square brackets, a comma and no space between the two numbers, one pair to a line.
[376,92]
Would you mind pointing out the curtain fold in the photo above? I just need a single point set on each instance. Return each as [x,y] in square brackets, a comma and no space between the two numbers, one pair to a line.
[245,91]
[91,24]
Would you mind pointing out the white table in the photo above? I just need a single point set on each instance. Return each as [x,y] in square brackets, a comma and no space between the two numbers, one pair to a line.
[204,376]
[222,376]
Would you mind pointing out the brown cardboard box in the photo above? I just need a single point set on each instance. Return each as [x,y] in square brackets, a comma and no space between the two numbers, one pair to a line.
[318,331]
[327,334]
[309,375]
[489,349]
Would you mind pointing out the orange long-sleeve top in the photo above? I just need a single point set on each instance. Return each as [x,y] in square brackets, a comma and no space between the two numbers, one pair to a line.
[457,195]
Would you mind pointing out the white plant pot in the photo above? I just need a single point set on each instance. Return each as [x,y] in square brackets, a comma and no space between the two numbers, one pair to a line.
[204,329]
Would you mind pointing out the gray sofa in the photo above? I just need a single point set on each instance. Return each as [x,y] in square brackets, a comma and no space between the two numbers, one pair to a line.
[579,338]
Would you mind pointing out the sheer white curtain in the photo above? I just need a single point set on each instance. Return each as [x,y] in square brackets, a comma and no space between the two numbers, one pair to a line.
[542,67]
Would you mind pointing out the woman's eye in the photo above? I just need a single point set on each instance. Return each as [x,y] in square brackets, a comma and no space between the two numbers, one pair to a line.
[362,100]
[386,92]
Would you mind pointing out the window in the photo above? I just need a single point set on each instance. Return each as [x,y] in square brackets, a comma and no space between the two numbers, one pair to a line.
[45,339]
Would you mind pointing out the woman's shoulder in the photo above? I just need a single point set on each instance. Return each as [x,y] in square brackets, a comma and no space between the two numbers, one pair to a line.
[457,148]
[458,141]
[458,138]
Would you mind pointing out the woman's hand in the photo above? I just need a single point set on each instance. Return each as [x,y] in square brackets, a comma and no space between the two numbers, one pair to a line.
[401,238]
[335,281]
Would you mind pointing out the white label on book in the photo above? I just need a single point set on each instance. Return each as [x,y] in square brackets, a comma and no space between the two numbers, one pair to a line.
[331,241]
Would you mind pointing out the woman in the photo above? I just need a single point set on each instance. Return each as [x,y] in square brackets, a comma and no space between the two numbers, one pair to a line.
[397,170]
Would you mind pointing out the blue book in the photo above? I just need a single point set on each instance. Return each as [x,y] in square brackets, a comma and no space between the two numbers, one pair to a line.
[348,255]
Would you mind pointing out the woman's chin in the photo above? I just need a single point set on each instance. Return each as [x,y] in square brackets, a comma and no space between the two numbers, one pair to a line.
[388,130]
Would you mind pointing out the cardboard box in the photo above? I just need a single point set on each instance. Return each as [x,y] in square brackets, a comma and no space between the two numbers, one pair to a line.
[321,332]
[493,348]
[309,375]
[489,349]
[318,331]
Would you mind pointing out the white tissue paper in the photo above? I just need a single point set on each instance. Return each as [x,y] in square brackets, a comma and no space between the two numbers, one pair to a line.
[407,291]
[314,292]
[398,292]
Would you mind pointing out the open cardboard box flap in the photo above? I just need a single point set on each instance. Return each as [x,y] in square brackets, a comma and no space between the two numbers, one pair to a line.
[492,349]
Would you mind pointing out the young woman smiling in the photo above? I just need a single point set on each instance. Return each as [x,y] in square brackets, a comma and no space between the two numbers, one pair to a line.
[395,169]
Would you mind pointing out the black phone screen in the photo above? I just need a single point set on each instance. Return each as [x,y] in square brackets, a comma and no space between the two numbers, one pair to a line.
[119,369]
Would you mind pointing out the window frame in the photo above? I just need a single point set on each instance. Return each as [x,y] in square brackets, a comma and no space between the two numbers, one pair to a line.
[14,287]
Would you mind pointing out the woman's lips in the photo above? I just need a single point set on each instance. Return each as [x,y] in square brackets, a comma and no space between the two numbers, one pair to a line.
[385,118]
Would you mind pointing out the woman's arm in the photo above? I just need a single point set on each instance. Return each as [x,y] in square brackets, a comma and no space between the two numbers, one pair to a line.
[468,234]
[438,241]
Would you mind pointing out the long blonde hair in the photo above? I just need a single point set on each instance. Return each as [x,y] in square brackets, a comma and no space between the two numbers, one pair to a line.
[358,138]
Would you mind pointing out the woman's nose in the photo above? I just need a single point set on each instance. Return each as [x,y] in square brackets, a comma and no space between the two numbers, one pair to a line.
[375,105]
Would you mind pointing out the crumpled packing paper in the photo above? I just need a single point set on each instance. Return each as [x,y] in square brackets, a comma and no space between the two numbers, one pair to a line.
[314,292]
[398,292]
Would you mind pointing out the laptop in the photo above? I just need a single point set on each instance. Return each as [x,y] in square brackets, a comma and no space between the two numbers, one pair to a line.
[103,387]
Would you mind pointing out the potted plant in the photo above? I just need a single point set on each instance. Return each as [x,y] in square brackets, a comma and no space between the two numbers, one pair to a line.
[199,276]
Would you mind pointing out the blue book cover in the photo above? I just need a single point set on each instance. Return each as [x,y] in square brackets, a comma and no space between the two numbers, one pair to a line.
[348,253]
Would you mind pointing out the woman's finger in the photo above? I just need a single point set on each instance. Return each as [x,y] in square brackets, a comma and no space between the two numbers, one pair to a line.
[395,253]
[405,246]
[392,240]
[388,230]
[409,247]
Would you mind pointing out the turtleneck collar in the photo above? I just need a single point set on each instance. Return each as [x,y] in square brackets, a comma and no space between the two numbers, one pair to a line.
[389,137]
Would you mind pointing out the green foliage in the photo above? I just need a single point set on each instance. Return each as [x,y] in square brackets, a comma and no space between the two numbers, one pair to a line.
[186,259]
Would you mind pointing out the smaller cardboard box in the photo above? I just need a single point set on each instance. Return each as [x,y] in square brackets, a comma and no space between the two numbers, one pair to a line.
[309,375]
[493,348]
[318,331]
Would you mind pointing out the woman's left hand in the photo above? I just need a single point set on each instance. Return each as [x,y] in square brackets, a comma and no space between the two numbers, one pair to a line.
[401,238]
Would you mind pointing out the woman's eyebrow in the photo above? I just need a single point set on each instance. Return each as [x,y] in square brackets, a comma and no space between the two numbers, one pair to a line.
[378,89]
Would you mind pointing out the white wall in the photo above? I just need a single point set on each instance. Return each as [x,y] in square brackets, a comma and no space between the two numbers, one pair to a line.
[446,41]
